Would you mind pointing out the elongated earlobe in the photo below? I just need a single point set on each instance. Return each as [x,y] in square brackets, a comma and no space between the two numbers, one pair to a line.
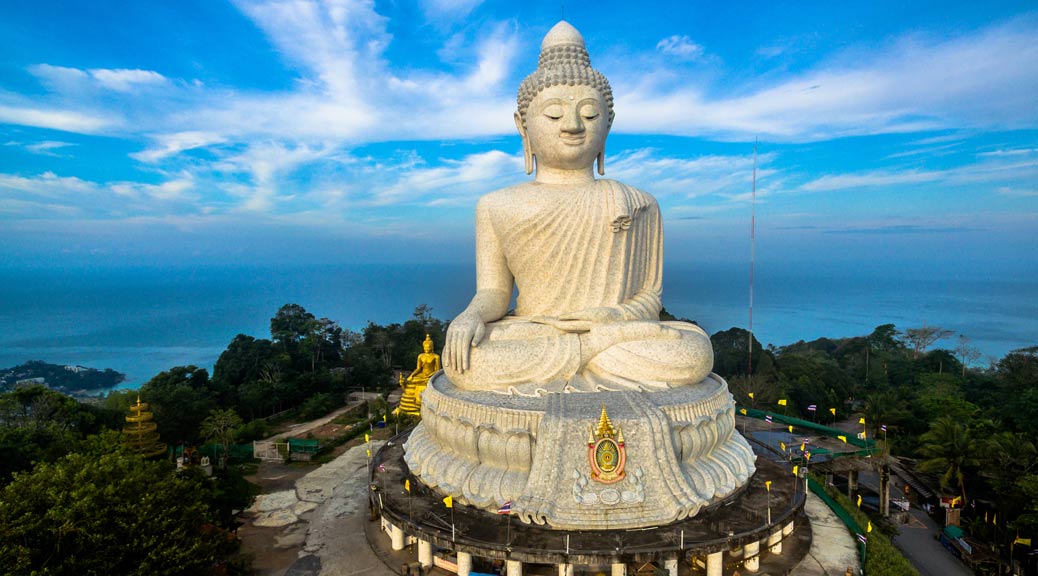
[527,151]
[601,163]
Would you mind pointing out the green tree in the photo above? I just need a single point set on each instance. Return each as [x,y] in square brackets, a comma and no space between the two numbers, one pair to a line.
[106,511]
[923,337]
[181,398]
[951,451]
[220,427]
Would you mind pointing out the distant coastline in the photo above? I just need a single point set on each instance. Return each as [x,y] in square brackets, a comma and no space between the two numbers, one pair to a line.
[142,321]
[72,379]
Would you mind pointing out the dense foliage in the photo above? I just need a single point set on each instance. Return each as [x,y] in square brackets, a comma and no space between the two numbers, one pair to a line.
[103,510]
[973,427]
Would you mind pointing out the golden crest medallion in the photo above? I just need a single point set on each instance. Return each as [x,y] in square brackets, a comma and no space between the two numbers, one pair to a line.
[606,452]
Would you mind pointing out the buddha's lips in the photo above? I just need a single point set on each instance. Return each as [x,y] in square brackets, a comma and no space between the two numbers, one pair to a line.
[572,140]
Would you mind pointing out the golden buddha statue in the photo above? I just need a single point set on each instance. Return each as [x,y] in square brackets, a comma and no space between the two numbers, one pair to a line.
[413,385]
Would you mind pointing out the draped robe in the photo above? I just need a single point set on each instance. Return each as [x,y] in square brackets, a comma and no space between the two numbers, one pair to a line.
[568,249]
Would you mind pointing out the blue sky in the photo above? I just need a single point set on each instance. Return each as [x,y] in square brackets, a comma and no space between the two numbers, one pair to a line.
[346,131]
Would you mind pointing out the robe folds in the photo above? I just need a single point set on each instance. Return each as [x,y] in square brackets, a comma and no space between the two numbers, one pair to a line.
[568,249]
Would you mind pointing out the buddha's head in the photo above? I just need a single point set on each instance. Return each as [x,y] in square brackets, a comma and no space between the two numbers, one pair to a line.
[427,344]
[565,107]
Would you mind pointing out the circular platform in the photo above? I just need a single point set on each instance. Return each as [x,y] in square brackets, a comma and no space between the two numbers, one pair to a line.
[734,526]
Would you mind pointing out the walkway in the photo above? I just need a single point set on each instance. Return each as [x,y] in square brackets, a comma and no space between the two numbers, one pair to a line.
[917,543]
[833,550]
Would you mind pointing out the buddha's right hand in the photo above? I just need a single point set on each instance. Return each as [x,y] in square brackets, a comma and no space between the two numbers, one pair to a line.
[466,331]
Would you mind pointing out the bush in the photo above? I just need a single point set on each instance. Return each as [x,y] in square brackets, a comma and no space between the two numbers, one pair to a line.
[316,406]
[255,430]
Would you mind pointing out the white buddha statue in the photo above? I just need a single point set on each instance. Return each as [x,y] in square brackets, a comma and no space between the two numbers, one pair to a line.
[526,407]
[586,255]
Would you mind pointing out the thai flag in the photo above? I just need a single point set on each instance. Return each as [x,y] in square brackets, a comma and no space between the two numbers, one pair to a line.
[768,418]
[505,508]
[862,538]
[381,467]
[883,427]
[812,408]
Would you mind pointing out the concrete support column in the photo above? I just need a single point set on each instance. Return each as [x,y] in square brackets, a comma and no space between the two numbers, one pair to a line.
[884,491]
[464,563]
[852,484]
[425,553]
[714,564]
[513,568]
[619,569]
[565,570]
[775,542]
[396,535]
[751,556]
[671,566]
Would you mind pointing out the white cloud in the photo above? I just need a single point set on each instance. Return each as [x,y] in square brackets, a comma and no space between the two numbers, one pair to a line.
[125,80]
[66,120]
[71,80]
[684,178]
[681,47]
[170,144]
[984,79]
[454,182]
[989,170]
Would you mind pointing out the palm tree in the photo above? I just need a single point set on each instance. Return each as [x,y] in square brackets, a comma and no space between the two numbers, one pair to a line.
[949,450]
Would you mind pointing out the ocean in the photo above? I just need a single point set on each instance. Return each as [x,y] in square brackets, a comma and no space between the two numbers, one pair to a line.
[141,321]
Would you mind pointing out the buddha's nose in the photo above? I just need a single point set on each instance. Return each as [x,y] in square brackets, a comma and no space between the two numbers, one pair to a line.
[572,123]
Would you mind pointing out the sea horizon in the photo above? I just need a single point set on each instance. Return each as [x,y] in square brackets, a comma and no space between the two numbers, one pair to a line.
[144,320]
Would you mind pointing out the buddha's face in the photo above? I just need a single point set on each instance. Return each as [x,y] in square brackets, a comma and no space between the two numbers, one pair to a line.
[567,126]
[427,346]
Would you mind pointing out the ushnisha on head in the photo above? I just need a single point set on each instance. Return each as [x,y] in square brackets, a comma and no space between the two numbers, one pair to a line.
[564,61]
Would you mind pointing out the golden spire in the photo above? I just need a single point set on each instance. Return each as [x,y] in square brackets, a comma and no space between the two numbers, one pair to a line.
[605,426]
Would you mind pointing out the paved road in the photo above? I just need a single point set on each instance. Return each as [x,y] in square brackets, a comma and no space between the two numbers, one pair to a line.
[929,557]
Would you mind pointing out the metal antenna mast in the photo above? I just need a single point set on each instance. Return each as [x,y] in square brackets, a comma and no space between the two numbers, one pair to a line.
[753,228]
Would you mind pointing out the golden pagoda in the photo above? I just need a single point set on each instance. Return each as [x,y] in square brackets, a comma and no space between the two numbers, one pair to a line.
[139,434]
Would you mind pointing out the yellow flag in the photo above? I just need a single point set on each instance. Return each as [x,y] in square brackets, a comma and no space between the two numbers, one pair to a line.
[383,418]
[808,456]
[833,410]
[767,484]
[869,529]
[449,501]
[802,446]
[859,500]
[861,420]
[407,484]
[994,519]
[366,437]
[1024,541]
[750,394]
[783,445]
[782,402]
[956,500]
[742,411]
[796,470]
[985,517]
[369,453]
[844,438]
[790,428]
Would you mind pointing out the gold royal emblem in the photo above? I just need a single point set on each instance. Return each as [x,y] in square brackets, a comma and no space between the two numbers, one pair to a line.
[605,451]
